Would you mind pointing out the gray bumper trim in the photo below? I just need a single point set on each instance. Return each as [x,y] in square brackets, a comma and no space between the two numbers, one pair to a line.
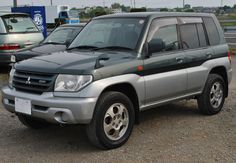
[53,109]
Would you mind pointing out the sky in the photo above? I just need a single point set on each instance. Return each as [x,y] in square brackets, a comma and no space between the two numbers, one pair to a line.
[139,3]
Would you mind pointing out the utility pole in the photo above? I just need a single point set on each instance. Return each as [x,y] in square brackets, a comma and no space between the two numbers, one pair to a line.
[134,3]
[51,2]
[221,4]
[14,3]
[183,3]
[131,3]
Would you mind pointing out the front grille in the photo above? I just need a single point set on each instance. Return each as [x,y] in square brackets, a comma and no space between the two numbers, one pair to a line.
[33,82]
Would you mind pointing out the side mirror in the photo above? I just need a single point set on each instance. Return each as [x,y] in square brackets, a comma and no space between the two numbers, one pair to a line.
[155,45]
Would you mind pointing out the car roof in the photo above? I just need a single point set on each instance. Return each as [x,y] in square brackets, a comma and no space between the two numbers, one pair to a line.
[155,14]
[4,13]
[73,25]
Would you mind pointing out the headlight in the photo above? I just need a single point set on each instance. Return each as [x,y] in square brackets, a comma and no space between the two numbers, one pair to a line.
[72,83]
[11,77]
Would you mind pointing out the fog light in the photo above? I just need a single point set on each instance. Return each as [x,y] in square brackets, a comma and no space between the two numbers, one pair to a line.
[61,117]
[64,117]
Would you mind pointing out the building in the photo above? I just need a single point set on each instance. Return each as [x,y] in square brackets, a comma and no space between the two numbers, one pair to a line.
[116,10]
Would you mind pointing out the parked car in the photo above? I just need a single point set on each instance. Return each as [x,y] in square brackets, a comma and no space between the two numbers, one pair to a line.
[120,65]
[17,32]
[57,41]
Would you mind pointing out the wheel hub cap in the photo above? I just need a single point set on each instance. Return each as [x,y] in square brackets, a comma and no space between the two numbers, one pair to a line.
[116,121]
[216,95]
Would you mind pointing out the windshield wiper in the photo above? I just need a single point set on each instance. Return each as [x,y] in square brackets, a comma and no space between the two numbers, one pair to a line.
[84,47]
[54,43]
[113,48]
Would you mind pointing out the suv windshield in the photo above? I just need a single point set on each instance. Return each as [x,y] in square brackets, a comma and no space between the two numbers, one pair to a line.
[19,24]
[116,32]
[62,35]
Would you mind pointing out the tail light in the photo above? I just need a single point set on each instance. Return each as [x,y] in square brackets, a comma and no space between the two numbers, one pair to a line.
[229,56]
[9,46]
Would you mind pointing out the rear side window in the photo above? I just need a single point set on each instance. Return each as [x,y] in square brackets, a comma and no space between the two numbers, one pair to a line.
[189,36]
[201,35]
[212,31]
[19,24]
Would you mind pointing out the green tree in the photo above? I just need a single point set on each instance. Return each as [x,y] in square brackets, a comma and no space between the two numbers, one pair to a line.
[189,10]
[226,7]
[164,9]
[98,11]
[143,9]
[74,8]
[115,5]
[178,9]
[125,8]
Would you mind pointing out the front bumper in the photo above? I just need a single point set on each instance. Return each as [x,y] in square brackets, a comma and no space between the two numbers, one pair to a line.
[53,109]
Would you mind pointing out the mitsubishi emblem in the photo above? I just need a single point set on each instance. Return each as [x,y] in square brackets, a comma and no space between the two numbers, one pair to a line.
[28,81]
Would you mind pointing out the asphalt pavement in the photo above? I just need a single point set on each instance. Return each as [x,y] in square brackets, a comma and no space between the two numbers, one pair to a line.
[171,133]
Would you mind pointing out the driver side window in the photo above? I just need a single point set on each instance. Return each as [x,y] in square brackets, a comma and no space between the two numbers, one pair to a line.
[169,38]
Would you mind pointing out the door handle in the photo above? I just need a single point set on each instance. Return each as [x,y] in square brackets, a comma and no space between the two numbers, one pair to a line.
[179,60]
[209,55]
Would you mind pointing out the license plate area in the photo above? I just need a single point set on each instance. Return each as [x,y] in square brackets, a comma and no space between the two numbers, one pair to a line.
[23,106]
[13,59]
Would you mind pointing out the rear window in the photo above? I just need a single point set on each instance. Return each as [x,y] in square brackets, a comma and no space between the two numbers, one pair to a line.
[212,31]
[19,24]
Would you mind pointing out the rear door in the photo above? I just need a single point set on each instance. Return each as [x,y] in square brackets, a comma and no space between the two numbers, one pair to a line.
[164,72]
[197,51]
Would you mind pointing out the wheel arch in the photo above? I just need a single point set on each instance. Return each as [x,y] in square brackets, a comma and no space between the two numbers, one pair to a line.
[221,70]
[129,90]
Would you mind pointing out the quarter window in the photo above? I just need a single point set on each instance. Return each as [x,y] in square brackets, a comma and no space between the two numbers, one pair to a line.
[212,31]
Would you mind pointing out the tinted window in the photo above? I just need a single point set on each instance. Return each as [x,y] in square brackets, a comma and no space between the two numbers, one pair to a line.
[202,36]
[168,35]
[212,31]
[189,36]
[18,23]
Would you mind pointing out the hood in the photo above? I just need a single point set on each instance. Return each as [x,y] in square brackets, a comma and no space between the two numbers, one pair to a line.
[74,62]
[41,49]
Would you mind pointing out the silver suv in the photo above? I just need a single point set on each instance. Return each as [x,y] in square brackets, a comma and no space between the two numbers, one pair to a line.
[17,31]
[118,66]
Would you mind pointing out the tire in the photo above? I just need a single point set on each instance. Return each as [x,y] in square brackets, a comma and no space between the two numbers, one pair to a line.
[105,131]
[210,103]
[32,123]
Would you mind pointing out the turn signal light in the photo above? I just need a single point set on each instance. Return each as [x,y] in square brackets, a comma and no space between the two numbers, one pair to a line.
[9,46]
[229,56]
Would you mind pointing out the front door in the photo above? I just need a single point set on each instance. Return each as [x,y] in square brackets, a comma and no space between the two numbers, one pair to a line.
[164,72]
